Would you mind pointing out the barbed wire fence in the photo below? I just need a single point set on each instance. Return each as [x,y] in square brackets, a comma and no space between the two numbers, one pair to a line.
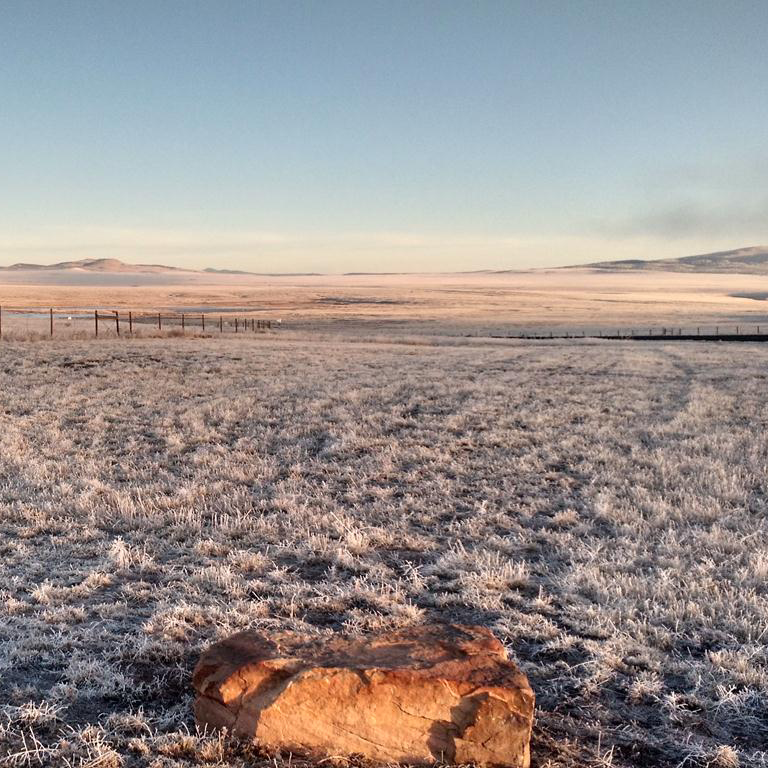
[120,322]
[659,333]
[96,323]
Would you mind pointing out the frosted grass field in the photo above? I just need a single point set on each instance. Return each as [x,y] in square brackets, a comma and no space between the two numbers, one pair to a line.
[602,507]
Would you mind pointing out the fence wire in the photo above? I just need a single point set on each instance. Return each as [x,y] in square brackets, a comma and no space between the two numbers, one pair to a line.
[121,322]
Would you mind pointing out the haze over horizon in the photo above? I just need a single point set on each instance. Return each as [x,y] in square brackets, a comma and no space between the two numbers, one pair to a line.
[336,137]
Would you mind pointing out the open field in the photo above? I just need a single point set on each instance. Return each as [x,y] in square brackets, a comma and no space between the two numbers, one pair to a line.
[601,506]
[479,304]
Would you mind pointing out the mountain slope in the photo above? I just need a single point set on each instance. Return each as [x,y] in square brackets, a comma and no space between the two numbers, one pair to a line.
[94,265]
[752,260]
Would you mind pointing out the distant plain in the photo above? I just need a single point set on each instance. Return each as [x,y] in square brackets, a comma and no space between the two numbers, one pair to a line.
[477,304]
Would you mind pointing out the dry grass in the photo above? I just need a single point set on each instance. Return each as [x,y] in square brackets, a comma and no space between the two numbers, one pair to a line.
[602,507]
[477,303]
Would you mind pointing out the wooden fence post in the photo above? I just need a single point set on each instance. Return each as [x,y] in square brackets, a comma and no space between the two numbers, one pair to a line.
[51,321]
[130,322]
[202,319]
[159,322]
[221,324]
[117,321]
[96,321]
[235,325]
[182,322]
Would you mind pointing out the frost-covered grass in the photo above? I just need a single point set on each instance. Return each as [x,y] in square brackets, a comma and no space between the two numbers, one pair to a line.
[602,507]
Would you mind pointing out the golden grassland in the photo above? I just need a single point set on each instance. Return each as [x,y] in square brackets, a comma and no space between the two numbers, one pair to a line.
[476,303]
[375,463]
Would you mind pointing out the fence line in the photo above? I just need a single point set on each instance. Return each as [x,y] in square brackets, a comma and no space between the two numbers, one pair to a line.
[701,333]
[183,321]
[111,318]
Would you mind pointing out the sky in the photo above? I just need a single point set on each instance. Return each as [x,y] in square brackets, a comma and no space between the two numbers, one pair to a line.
[381,136]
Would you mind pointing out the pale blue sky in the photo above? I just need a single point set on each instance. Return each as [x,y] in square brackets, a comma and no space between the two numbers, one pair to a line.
[338,136]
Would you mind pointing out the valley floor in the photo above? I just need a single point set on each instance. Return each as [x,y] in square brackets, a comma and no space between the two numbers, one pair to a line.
[601,506]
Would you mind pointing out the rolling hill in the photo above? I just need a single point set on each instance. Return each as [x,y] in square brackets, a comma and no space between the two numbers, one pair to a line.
[752,260]
[93,265]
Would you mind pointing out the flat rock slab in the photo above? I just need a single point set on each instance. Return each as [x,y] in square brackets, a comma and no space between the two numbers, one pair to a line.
[444,693]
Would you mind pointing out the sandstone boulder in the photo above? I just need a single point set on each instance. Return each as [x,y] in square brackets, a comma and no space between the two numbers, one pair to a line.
[443,693]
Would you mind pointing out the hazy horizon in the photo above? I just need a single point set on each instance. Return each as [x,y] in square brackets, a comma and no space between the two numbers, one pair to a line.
[338,137]
[18,267]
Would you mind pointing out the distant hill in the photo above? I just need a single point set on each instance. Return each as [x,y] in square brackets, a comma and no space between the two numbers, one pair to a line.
[117,267]
[94,265]
[214,271]
[753,260]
